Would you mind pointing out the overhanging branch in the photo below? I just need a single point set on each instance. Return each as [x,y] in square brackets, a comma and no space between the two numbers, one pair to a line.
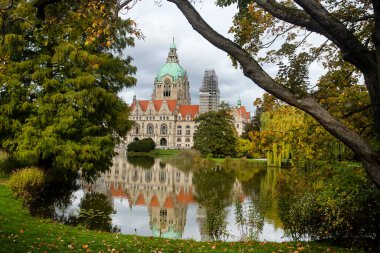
[253,70]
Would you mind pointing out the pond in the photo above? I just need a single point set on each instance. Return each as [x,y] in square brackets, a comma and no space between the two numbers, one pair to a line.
[152,197]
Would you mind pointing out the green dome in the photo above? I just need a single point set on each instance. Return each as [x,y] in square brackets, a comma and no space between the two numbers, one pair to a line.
[172,69]
[170,234]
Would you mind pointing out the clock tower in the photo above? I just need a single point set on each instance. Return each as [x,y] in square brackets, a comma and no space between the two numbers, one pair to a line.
[171,82]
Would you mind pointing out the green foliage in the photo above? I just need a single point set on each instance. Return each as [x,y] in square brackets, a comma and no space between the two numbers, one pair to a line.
[244,148]
[249,220]
[213,188]
[338,203]
[145,162]
[186,159]
[95,213]
[27,183]
[59,78]
[20,231]
[144,145]
[216,134]
[12,163]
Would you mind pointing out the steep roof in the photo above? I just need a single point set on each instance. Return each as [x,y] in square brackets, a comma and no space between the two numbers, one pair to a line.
[154,201]
[169,203]
[157,104]
[185,198]
[118,192]
[143,104]
[191,110]
[140,200]
[243,112]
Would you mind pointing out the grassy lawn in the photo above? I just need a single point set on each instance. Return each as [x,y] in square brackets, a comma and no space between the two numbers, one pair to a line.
[19,232]
[156,152]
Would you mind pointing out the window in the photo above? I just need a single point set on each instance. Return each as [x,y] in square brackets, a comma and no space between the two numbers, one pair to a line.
[163,216]
[187,130]
[135,175]
[166,93]
[162,176]
[187,117]
[150,129]
[179,117]
[136,130]
[237,125]
[179,139]
[148,176]
[179,130]
[164,129]
[187,140]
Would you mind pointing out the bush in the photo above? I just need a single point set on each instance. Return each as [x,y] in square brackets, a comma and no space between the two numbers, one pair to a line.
[144,145]
[9,163]
[187,159]
[339,204]
[27,183]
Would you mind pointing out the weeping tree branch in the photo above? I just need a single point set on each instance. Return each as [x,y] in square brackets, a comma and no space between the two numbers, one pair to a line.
[253,70]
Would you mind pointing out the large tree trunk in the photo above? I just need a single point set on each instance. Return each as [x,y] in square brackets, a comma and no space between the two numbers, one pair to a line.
[252,70]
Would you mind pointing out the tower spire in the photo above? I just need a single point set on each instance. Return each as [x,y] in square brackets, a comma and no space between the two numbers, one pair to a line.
[173,44]
[172,56]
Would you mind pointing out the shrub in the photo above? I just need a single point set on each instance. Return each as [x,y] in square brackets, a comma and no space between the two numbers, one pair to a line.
[187,159]
[27,183]
[9,163]
[334,203]
[144,145]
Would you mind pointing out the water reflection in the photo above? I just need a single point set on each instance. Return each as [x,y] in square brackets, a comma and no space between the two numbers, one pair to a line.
[95,211]
[150,197]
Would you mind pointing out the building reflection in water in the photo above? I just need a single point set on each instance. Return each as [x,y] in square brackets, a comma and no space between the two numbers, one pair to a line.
[167,193]
[163,189]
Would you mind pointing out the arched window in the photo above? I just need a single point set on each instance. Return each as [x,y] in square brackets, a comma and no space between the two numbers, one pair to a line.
[135,175]
[164,129]
[187,117]
[179,139]
[187,130]
[150,129]
[166,93]
[187,140]
[179,130]
[162,176]
[179,117]
[136,130]
[148,176]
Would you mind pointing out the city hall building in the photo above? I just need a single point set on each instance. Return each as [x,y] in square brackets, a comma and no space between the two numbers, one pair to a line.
[169,117]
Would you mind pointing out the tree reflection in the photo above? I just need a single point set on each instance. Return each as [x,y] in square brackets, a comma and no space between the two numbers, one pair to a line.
[248,218]
[145,162]
[213,192]
[95,213]
[57,193]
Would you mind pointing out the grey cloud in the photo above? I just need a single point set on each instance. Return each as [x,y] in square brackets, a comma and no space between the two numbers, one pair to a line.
[159,25]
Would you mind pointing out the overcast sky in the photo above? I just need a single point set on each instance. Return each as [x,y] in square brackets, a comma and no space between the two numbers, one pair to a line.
[159,25]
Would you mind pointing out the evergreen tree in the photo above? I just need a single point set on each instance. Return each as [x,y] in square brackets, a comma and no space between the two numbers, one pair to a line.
[60,73]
